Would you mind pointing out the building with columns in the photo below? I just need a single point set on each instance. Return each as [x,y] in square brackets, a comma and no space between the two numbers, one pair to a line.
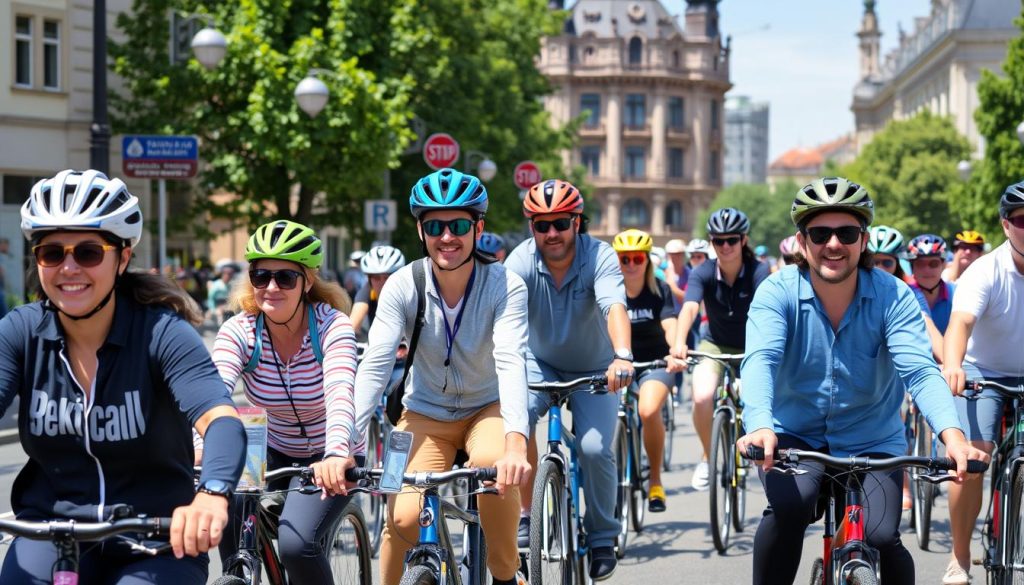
[936,66]
[650,90]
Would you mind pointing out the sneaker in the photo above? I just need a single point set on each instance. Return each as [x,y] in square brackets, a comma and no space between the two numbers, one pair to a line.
[602,563]
[519,579]
[656,499]
[955,574]
[700,477]
[524,532]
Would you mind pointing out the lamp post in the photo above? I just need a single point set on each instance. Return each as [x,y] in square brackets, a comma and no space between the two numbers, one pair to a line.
[99,129]
[312,94]
[1020,132]
[486,168]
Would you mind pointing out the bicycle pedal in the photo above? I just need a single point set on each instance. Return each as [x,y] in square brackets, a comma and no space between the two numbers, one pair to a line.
[977,562]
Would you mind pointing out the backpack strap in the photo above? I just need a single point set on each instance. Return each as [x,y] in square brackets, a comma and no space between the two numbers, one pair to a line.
[314,340]
[394,402]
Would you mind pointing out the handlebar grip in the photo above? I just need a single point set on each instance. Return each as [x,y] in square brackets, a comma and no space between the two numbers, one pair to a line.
[754,453]
[356,473]
[973,466]
[487,473]
[163,526]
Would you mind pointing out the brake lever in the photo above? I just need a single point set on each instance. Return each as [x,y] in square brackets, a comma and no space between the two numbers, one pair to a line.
[937,479]
[151,551]
[786,470]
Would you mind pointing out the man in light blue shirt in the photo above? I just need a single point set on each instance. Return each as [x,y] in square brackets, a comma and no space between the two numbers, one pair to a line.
[829,341]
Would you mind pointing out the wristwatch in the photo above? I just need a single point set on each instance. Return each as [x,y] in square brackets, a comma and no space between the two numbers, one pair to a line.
[623,354]
[216,487]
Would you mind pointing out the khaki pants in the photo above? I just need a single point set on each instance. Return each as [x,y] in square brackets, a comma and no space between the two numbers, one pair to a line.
[434,444]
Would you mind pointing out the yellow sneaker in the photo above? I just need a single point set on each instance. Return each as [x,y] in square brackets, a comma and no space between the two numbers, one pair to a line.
[656,499]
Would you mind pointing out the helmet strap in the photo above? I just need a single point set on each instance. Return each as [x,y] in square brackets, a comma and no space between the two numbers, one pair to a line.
[1019,253]
[931,290]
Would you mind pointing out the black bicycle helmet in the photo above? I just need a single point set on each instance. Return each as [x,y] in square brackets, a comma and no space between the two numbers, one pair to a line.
[728,220]
[1013,198]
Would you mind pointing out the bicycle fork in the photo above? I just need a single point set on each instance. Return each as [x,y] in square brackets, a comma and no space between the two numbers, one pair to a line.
[845,548]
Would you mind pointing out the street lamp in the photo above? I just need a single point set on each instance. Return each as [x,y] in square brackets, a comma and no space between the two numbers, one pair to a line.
[1020,132]
[312,94]
[209,46]
[964,169]
[486,169]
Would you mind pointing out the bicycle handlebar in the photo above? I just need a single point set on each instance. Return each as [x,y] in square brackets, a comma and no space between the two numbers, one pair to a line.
[864,463]
[1002,389]
[722,357]
[595,382]
[426,478]
[85,531]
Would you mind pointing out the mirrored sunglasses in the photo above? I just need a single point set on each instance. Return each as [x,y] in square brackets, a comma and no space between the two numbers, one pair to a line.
[886,262]
[637,258]
[458,227]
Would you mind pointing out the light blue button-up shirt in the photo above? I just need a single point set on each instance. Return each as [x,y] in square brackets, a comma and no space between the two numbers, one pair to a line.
[841,389]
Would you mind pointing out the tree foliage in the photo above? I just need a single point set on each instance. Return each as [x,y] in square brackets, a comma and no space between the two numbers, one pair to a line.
[384,62]
[767,208]
[910,170]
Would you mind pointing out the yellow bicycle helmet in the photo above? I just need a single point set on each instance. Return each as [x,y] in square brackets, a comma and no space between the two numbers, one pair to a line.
[633,241]
[970,238]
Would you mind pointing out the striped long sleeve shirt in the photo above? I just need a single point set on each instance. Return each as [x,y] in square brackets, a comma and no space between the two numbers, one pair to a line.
[300,394]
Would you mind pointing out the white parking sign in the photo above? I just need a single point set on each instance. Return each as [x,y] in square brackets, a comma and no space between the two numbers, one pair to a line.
[380,215]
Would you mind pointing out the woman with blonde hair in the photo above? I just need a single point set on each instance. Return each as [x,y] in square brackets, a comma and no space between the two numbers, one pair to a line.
[294,348]
[653,316]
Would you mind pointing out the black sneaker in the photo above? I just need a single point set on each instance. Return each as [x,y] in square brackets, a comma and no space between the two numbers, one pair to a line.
[524,532]
[602,563]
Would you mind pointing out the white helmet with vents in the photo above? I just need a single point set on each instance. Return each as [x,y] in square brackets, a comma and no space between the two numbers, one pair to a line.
[82,201]
[382,260]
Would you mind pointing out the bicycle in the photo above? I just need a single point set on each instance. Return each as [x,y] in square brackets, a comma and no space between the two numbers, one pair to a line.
[1003,533]
[846,556]
[67,534]
[348,543]
[727,470]
[632,467]
[668,417]
[432,561]
[924,443]
[558,543]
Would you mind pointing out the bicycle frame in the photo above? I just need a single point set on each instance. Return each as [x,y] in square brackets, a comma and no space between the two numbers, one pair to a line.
[558,435]
[844,546]
[255,543]
[1008,457]
[435,540]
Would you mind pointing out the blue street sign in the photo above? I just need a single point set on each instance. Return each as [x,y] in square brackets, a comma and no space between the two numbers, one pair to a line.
[160,157]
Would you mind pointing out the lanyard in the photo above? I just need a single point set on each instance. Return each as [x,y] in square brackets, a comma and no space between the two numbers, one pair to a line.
[451,330]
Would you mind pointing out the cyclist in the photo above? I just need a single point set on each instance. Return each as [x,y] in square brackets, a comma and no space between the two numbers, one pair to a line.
[577,301]
[492,244]
[699,251]
[926,254]
[726,286]
[761,252]
[677,271]
[217,294]
[467,386]
[885,245]
[968,246]
[652,316]
[353,279]
[982,341]
[658,258]
[788,250]
[295,352]
[830,345]
[377,264]
[111,378]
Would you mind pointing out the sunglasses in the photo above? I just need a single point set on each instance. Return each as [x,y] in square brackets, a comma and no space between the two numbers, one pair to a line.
[726,241]
[542,226]
[86,254]
[973,247]
[458,227]
[637,258]
[847,234]
[886,262]
[286,279]
[928,262]
[1016,221]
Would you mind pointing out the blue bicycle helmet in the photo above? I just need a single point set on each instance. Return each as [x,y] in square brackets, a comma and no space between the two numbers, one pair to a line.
[490,243]
[883,239]
[448,189]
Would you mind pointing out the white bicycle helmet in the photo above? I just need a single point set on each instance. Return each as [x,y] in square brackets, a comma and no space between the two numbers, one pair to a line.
[698,246]
[382,260]
[86,201]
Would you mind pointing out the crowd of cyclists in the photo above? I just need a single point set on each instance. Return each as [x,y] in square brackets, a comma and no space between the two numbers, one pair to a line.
[847,322]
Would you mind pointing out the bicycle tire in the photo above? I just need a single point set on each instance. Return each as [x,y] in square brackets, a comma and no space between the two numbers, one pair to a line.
[552,548]
[719,479]
[419,575]
[740,468]
[464,566]
[640,482]
[1016,537]
[668,418]
[230,580]
[375,505]
[922,492]
[818,572]
[349,551]
[863,575]
[623,493]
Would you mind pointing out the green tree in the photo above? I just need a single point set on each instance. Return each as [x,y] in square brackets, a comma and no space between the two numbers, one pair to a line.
[767,209]
[910,170]
[1000,110]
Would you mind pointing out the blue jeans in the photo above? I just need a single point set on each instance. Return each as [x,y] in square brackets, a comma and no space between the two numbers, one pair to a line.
[594,418]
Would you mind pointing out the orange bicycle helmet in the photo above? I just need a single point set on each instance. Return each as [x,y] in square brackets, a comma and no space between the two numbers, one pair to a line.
[552,196]
[969,238]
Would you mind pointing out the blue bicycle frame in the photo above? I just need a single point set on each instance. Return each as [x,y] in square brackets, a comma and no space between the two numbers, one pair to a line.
[559,434]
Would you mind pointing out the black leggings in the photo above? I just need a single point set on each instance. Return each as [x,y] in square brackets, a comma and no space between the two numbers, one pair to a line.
[792,502]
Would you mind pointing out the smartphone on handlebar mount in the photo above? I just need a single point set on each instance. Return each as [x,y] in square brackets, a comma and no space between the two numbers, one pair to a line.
[396,458]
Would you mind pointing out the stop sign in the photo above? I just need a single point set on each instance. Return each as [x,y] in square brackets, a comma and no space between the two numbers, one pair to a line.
[526,174]
[440,151]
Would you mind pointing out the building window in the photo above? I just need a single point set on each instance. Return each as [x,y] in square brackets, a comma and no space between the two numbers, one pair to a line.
[51,54]
[635,158]
[590,156]
[17,187]
[572,54]
[588,54]
[591,102]
[636,51]
[676,62]
[635,214]
[674,215]
[23,51]
[636,110]
[594,215]
[675,113]
[675,163]
[713,165]
[714,114]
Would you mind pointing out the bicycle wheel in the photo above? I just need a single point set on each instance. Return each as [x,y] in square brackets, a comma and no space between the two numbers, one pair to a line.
[349,552]
[818,572]
[374,505]
[230,580]
[552,548]
[1016,528]
[480,560]
[862,576]
[923,492]
[720,470]
[738,492]
[623,498]
[668,417]
[639,481]
[419,575]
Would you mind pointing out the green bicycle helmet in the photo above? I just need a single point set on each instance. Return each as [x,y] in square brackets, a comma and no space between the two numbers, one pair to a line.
[883,239]
[832,194]
[285,240]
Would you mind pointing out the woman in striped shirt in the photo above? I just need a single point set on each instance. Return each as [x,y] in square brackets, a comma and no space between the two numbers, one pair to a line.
[294,349]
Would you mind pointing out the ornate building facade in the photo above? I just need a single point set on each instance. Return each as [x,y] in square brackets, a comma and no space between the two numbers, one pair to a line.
[650,91]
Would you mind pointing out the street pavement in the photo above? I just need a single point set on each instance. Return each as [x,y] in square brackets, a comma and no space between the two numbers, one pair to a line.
[675,546]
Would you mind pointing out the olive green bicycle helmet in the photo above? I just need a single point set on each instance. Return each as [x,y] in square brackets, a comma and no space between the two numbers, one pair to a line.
[285,240]
[832,194]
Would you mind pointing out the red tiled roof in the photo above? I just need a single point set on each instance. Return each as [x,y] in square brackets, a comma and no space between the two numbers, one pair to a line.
[798,158]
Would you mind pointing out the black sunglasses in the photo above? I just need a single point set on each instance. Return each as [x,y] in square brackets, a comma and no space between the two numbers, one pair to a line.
[1016,221]
[732,241]
[847,234]
[458,227]
[541,226]
[86,254]
[286,279]
[887,262]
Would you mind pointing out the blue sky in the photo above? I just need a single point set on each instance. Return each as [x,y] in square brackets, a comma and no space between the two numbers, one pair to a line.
[802,57]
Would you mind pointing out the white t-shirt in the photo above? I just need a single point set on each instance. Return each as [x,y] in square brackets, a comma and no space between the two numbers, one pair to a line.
[992,290]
